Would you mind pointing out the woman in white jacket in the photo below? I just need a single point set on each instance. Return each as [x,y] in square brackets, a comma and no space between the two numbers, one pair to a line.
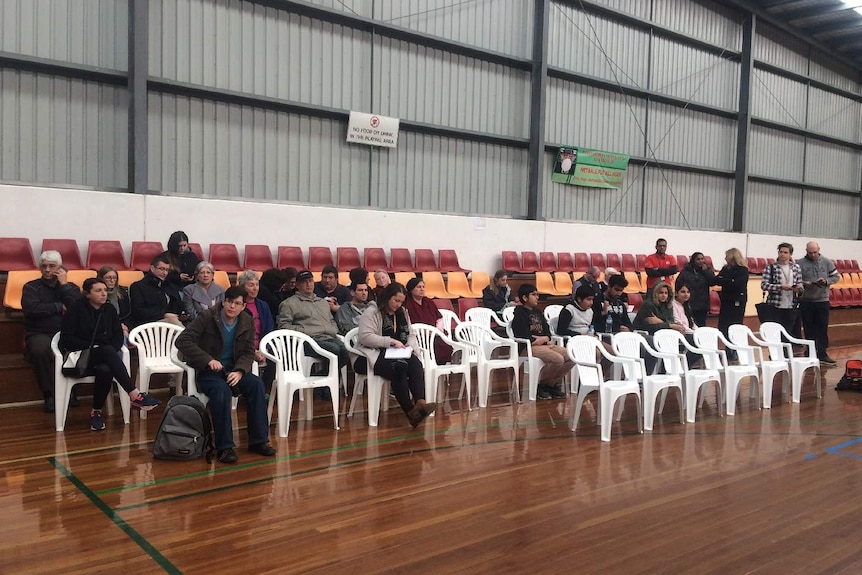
[386,325]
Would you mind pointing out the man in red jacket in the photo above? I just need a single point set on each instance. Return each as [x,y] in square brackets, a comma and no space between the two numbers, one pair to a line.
[659,266]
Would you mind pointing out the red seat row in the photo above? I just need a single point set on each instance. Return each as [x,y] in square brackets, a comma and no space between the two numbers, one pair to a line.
[845,297]
[847,266]
[529,262]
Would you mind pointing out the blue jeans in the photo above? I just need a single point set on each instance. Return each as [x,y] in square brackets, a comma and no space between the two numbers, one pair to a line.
[251,387]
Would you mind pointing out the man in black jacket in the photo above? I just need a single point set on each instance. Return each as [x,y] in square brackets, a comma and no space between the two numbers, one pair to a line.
[43,301]
[154,299]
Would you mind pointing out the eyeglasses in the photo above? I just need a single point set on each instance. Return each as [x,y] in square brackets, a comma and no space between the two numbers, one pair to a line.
[235,303]
[110,278]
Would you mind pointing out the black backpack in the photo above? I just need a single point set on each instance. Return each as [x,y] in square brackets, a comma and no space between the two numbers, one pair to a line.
[852,380]
[185,431]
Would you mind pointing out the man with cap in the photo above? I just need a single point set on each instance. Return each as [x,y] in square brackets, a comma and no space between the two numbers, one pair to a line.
[529,323]
[307,313]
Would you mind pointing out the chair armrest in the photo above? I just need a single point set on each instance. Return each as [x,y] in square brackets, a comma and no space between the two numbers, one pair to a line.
[527,343]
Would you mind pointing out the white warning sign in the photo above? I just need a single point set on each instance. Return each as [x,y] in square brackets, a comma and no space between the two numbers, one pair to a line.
[372,130]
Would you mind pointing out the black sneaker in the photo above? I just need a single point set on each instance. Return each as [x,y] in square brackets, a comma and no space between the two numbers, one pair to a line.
[543,393]
[556,392]
[828,361]
[96,421]
[264,449]
[227,456]
[145,403]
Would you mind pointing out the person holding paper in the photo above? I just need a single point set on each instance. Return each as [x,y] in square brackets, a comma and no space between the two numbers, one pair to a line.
[386,339]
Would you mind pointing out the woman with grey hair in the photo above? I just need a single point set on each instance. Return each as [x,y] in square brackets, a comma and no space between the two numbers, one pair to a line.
[263,320]
[204,293]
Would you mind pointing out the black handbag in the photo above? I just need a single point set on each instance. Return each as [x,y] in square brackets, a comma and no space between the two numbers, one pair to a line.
[75,363]
[765,311]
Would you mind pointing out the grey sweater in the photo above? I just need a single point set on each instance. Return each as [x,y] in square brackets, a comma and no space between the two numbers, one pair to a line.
[812,270]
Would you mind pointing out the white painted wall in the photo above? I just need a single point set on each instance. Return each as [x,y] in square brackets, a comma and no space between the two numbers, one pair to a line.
[84,215]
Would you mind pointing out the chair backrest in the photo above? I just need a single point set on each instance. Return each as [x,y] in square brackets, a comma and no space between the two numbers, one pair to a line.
[286,348]
[425,260]
[450,321]
[465,304]
[508,314]
[435,287]
[547,262]
[290,257]
[143,253]
[628,261]
[529,262]
[739,335]
[681,261]
[258,257]
[614,261]
[443,303]
[425,335]
[582,349]
[565,263]
[479,281]
[772,332]
[582,262]
[669,341]
[16,254]
[319,257]
[511,262]
[598,260]
[106,253]
[475,336]
[154,340]
[640,262]
[709,338]
[347,258]
[15,286]
[629,344]
[481,315]
[552,311]
[401,260]
[375,259]
[68,251]
[225,257]
[449,262]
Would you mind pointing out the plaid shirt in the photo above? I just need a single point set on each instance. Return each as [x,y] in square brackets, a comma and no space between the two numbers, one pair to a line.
[772,281]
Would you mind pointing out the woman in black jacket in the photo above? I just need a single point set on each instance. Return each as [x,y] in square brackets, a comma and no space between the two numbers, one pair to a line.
[698,277]
[733,279]
[118,296]
[91,320]
[182,259]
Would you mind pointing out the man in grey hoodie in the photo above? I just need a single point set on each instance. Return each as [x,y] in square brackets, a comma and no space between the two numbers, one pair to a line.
[818,273]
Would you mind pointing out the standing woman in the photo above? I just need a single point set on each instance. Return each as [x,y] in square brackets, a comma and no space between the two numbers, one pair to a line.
[384,325]
[90,320]
[204,293]
[118,296]
[698,276]
[182,260]
[782,281]
[423,310]
[733,279]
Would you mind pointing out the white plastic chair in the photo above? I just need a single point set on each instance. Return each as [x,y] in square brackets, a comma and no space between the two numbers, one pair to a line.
[708,338]
[285,347]
[449,322]
[741,334]
[532,365]
[482,316]
[582,350]
[669,341]
[508,314]
[425,335]
[772,333]
[552,311]
[63,388]
[629,345]
[154,341]
[378,387]
[481,343]
[190,376]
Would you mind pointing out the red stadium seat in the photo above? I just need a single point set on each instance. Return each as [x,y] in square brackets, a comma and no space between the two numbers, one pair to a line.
[449,262]
[708,261]
[598,260]
[770,261]
[225,258]
[443,303]
[401,260]
[636,300]
[761,265]
[547,262]
[290,257]
[714,303]
[197,250]
[681,261]
[511,262]
[425,260]
[529,262]
[855,297]
[629,264]
[565,262]
[319,257]
[614,261]
[464,304]
[258,257]
[854,266]
[640,262]
[143,253]
[106,253]
[582,262]
[16,254]
[752,265]
[68,250]
[375,259]
[347,259]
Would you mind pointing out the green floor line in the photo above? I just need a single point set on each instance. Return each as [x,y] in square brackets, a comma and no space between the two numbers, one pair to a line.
[139,539]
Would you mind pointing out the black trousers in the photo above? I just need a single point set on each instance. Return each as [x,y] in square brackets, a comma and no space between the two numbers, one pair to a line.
[406,378]
[699,317]
[38,353]
[815,322]
[787,318]
[730,315]
[106,366]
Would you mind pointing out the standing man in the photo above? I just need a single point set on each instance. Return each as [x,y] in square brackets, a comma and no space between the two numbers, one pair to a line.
[818,273]
[219,344]
[43,302]
[659,266]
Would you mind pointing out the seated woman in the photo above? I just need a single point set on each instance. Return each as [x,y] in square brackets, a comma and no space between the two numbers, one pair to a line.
[423,310]
[90,320]
[204,293]
[263,321]
[182,260]
[577,317]
[498,295]
[118,296]
[681,310]
[657,312]
[529,323]
[384,325]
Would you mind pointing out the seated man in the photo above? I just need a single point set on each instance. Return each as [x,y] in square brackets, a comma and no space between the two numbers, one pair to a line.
[219,344]
[591,279]
[307,313]
[329,289]
[348,316]
[43,302]
[618,309]
[577,317]
[154,299]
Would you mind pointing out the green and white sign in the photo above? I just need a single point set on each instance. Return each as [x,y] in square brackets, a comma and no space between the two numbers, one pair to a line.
[590,168]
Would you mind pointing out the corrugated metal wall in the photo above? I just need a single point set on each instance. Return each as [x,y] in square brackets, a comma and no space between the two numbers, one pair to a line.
[779,99]
[780,49]
[708,21]
[834,115]
[776,154]
[675,199]
[693,138]
[773,209]
[57,130]
[91,32]
[694,75]
[825,214]
[833,166]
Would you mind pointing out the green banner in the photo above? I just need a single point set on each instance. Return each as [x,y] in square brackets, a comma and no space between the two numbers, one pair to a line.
[590,168]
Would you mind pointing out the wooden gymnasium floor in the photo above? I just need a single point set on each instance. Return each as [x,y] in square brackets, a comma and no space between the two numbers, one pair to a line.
[507,489]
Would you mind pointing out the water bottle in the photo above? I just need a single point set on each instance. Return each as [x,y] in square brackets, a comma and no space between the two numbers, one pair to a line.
[609,323]
[591,330]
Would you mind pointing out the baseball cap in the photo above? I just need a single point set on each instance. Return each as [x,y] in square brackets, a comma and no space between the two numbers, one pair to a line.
[304,275]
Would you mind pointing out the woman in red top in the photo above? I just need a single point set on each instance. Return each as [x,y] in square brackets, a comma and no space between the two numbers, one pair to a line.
[423,310]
